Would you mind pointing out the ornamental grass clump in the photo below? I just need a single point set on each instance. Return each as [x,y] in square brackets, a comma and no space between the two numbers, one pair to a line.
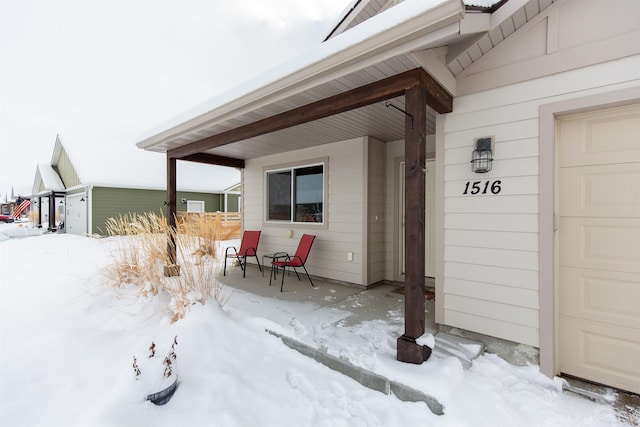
[200,234]
[140,256]
[140,251]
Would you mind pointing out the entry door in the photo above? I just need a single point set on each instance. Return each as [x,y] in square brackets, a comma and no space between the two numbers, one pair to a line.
[44,211]
[599,246]
[429,218]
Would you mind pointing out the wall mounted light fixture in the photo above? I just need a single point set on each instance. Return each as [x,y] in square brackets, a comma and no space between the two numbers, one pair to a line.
[482,156]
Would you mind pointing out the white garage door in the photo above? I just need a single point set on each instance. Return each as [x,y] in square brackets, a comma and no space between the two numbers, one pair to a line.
[599,246]
[76,214]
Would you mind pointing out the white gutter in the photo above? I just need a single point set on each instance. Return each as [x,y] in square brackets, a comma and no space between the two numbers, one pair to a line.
[376,39]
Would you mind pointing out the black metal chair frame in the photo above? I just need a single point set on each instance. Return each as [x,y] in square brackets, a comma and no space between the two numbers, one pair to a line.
[274,264]
[242,259]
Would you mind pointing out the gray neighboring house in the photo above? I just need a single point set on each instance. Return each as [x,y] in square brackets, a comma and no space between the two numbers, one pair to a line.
[81,189]
[535,243]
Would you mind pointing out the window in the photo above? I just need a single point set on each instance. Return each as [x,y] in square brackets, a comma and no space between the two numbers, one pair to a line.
[296,194]
[195,206]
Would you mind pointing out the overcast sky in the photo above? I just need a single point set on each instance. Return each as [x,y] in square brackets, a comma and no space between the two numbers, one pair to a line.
[106,71]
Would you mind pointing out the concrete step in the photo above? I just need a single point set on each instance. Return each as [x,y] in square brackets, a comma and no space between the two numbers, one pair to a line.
[464,349]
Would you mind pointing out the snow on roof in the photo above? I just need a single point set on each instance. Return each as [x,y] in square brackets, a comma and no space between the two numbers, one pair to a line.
[378,24]
[119,164]
[481,3]
[49,178]
[367,10]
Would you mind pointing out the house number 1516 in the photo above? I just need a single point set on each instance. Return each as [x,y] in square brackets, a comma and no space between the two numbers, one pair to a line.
[479,187]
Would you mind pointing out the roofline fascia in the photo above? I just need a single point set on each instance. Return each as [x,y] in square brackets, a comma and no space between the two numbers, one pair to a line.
[350,9]
[403,37]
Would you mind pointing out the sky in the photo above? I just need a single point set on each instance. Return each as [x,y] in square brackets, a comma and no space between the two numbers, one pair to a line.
[67,345]
[104,72]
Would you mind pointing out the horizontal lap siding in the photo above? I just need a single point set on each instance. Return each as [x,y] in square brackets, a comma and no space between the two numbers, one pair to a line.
[394,153]
[491,240]
[491,279]
[110,202]
[376,211]
[344,210]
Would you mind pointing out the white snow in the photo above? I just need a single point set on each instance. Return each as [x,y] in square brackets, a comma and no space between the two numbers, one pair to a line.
[67,342]
[427,339]
[481,3]
[120,164]
[313,56]
[48,177]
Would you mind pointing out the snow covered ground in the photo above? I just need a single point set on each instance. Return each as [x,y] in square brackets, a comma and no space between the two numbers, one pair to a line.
[67,342]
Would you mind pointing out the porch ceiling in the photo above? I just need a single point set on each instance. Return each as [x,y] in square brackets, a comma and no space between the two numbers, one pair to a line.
[378,121]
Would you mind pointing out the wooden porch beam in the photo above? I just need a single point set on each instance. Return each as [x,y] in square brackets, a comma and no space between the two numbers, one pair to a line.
[437,96]
[438,99]
[212,159]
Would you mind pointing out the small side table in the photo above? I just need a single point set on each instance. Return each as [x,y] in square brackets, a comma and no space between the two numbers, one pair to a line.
[273,256]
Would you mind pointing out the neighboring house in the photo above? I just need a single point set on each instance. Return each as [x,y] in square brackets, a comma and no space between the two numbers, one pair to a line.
[82,189]
[541,250]
[48,197]
[11,204]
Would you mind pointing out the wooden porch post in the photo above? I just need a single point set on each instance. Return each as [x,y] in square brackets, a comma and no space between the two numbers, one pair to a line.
[414,305]
[52,211]
[39,224]
[173,269]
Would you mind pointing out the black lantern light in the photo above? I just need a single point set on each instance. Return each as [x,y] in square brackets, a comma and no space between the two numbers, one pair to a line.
[482,156]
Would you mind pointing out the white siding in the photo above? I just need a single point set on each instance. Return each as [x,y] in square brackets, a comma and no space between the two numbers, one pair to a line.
[376,178]
[394,154]
[491,259]
[344,229]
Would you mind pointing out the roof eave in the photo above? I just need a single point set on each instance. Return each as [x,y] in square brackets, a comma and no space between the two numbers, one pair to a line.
[324,69]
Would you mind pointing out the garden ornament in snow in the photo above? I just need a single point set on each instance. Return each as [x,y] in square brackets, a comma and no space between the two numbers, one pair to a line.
[159,376]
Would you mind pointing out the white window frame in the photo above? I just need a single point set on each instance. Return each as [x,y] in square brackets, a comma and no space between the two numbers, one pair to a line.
[292,167]
[191,204]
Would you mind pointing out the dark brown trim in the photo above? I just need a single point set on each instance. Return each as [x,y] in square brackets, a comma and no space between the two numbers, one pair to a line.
[212,159]
[344,17]
[483,9]
[171,211]
[414,243]
[438,99]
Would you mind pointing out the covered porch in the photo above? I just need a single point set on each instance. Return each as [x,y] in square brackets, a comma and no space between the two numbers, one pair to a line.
[349,329]
[328,302]
[343,93]
[353,323]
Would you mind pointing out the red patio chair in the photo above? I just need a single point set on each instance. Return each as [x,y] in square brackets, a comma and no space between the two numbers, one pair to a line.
[298,260]
[248,247]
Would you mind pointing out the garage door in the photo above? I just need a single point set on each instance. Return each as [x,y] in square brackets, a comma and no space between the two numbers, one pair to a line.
[76,214]
[599,246]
